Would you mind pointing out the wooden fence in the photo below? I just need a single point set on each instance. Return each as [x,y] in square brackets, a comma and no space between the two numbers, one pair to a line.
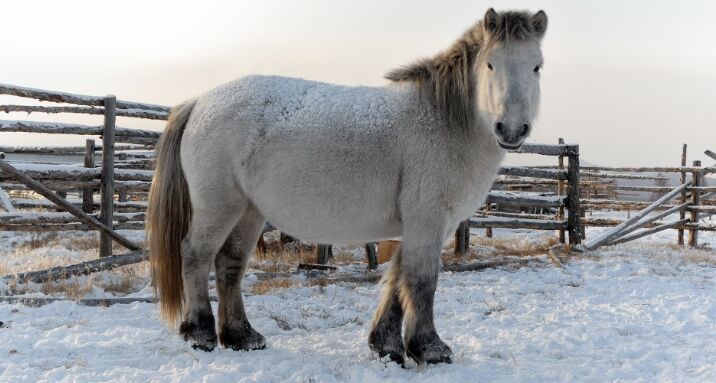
[124,173]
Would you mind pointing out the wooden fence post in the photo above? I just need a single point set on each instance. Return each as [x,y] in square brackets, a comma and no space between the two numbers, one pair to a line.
[88,193]
[462,238]
[573,203]
[107,180]
[694,215]
[323,252]
[560,191]
[371,255]
[122,194]
[682,214]
[488,231]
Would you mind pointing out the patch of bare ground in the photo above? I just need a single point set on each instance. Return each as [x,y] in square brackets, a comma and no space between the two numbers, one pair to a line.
[269,285]
[483,248]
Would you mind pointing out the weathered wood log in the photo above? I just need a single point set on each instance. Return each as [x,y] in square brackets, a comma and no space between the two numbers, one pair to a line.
[83,268]
[701,226]
[710,154]
[477,266]
[592,174]
[591,203]
[462,238]
[654,218]
[62,150]
[519,171]
[682,179]
[702,209]
[657,189]
[130,225]
[323,252]
[651,231]
[5,201]
[515,223]
[33,217]
[126,135]
[602,222]
[703,189]
[140,164]
[106,188]
[544,149]
[371,255]
[637,170]
[560,192]
[574,208]
[130,186]
[122,207]
[483,213]
[612,234]
[87,193]
[689,169]
[50,195]
[70,98]
[518,199]
[76,173]
[137,113]
[695,199]
[316,266]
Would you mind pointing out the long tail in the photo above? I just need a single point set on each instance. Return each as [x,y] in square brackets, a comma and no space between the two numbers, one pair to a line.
[168,216]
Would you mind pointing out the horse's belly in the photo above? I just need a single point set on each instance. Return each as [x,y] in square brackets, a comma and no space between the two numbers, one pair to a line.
[331,195]
[330,221]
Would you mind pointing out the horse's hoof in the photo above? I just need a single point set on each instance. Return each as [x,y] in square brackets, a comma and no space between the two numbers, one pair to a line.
[432,352]
[387,344]
[394,357]
[245,339]
[200,332]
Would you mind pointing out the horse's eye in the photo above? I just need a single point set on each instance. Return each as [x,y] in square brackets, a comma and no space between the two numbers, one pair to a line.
[537,68]
[489,66]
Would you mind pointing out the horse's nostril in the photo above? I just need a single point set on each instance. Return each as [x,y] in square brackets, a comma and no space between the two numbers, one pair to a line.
[500,128]
[525,130]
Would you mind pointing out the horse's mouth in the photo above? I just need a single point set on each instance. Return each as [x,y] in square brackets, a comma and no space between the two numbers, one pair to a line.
[509,147]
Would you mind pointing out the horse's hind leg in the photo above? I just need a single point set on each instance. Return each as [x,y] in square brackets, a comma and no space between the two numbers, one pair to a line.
[235,331]
[211,223]
[420,264]
[385,336]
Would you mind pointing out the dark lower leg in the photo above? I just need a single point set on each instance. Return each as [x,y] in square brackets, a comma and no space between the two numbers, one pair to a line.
[198,325]
[235,331]
[418,281]
[385,336]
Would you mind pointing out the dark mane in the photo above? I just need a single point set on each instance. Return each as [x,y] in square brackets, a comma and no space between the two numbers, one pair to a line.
[447,79]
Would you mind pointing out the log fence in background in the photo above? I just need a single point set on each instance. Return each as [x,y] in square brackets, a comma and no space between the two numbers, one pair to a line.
[126,168]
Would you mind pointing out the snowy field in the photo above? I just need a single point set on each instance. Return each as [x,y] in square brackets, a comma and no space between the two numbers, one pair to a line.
[638,312]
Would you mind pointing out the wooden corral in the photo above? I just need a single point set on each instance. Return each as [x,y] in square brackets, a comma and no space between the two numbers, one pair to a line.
[57,196]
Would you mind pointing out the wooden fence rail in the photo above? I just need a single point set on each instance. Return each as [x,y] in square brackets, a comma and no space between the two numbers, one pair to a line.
[126,135]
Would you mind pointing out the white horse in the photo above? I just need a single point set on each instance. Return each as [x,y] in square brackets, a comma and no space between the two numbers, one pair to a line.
[338,164]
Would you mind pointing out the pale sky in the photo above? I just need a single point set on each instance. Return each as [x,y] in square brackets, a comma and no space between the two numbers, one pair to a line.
[630,81]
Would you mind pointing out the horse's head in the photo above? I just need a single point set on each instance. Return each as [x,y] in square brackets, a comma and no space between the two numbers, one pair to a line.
[508,73]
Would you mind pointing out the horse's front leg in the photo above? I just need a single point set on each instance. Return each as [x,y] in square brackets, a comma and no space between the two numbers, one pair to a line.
[420,264]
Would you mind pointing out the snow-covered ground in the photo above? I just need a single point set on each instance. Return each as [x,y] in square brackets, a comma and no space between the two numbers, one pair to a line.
[642,311]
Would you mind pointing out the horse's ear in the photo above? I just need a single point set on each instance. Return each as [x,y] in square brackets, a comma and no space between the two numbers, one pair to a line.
[539,23]
[490,21]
